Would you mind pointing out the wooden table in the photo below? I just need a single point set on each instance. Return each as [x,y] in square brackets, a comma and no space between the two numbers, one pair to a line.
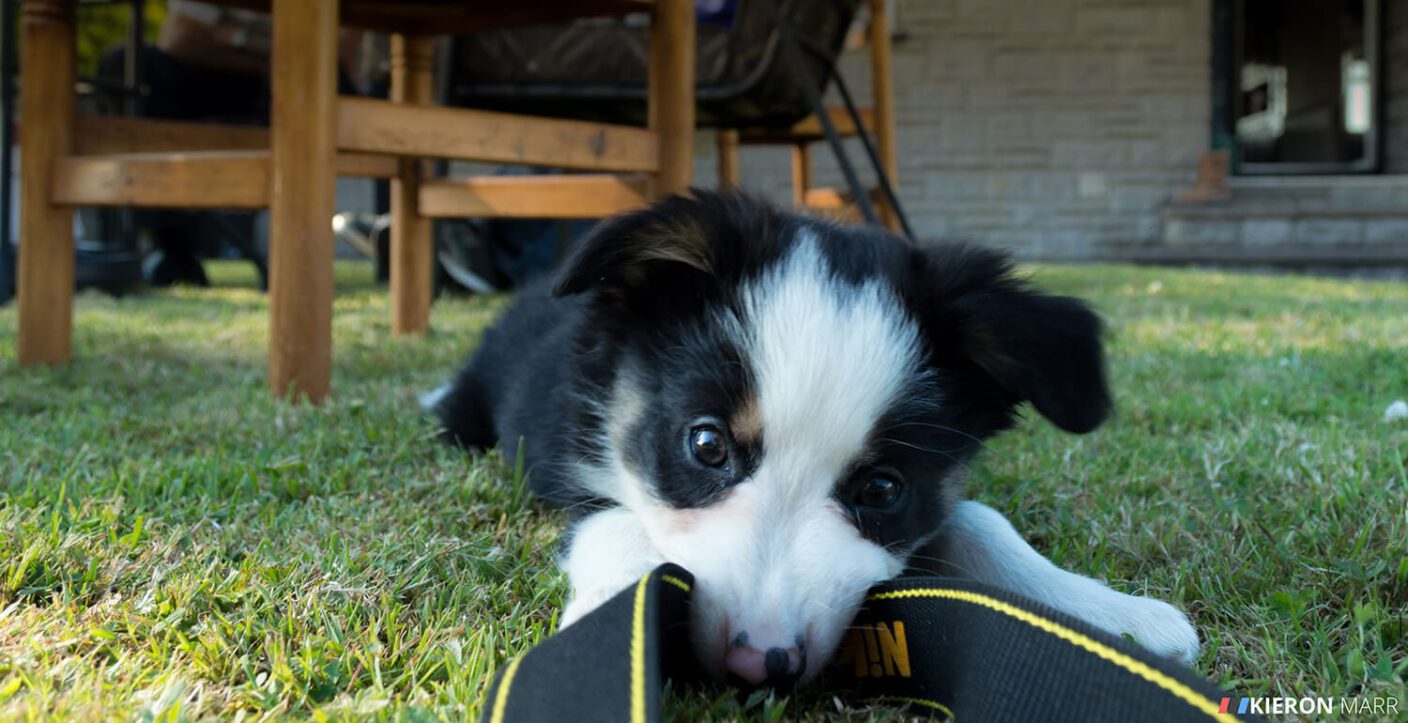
[314,136]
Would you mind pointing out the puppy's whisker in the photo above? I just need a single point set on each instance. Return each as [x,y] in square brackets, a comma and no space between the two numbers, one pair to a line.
[931,425]
[922,448]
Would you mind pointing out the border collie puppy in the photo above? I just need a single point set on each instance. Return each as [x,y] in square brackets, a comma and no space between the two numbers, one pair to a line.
[786,408]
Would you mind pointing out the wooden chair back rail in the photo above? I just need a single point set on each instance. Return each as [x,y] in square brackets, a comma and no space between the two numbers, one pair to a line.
[210,179]
[116,136]
[437,18]
[561,197]
[315,135]
[412,131]
[101,134]
[422,131]
[241,180]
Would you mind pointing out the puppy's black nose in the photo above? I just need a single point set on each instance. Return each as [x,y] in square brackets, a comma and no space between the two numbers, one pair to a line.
[777,663]
[777,667]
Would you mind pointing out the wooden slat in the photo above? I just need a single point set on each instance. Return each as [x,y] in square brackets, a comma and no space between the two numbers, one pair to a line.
[365,165]
[808,130]
[831,198]
[378,126]
[837,203]
[240,179]
[575,196]
[108,135]
[430,18]
[826,199]
[471,17]
[840,118]
[214,179]
[97,135]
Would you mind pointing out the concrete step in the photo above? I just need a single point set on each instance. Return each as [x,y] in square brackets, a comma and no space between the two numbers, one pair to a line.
[1314,218]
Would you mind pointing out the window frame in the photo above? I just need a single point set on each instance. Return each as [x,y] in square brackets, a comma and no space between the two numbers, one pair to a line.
[1228,21]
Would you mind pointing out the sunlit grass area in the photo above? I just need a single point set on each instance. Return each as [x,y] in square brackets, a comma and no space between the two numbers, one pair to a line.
[175,544]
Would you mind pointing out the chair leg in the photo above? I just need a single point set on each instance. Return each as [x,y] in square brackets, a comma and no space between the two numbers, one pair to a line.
[300,213]
[791,53]
[882,90]
[46,273]
[801,173]
[671,111]
[727,141]
[412,245]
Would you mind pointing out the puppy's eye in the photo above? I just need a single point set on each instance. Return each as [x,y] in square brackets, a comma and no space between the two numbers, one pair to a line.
[880,492]
[708,444]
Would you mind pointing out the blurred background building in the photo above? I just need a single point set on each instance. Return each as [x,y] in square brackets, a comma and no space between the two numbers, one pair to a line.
[1076,129]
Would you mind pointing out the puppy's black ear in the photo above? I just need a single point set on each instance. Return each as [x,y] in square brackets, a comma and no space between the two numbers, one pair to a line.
[624,252]
[1037,347]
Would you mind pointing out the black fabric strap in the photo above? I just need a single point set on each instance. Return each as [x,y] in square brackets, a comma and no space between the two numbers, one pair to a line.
[606,666]
[947,648]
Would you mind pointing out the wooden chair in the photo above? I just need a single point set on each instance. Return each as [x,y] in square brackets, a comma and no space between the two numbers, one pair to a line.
[878,120]
[314,135]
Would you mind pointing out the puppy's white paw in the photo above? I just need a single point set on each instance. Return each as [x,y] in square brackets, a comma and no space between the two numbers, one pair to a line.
[431,399]
[1161,628]
[608,551]
[583,603]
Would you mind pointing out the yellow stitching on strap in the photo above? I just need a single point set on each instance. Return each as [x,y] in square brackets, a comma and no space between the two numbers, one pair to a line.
[1188,695]
[638,653]
[918,701]
[501,697]
[681,584]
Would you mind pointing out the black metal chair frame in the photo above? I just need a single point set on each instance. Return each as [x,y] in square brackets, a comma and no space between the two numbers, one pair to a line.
[792,44]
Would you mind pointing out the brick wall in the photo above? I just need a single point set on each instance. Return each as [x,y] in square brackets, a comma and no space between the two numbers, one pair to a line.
[1056,128]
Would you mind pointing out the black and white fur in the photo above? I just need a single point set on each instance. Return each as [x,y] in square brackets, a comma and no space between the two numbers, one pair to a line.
[845,378]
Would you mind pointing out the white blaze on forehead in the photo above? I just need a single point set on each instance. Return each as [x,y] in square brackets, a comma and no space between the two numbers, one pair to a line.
[829,358]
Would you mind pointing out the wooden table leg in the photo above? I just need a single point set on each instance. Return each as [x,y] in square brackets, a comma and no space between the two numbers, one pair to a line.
[304,88]
[412,246]
[728,158]
[672,93]
[46,230]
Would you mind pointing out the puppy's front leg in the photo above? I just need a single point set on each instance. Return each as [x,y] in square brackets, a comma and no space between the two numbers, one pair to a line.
[980,544]
[607,551]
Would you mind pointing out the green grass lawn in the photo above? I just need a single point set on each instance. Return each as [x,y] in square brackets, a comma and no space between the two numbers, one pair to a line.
[175,544]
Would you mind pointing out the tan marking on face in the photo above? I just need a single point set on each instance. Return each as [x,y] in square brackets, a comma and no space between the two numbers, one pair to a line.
[746,424]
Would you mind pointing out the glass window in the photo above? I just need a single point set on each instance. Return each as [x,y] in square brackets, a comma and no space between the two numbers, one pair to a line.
[1304,91]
